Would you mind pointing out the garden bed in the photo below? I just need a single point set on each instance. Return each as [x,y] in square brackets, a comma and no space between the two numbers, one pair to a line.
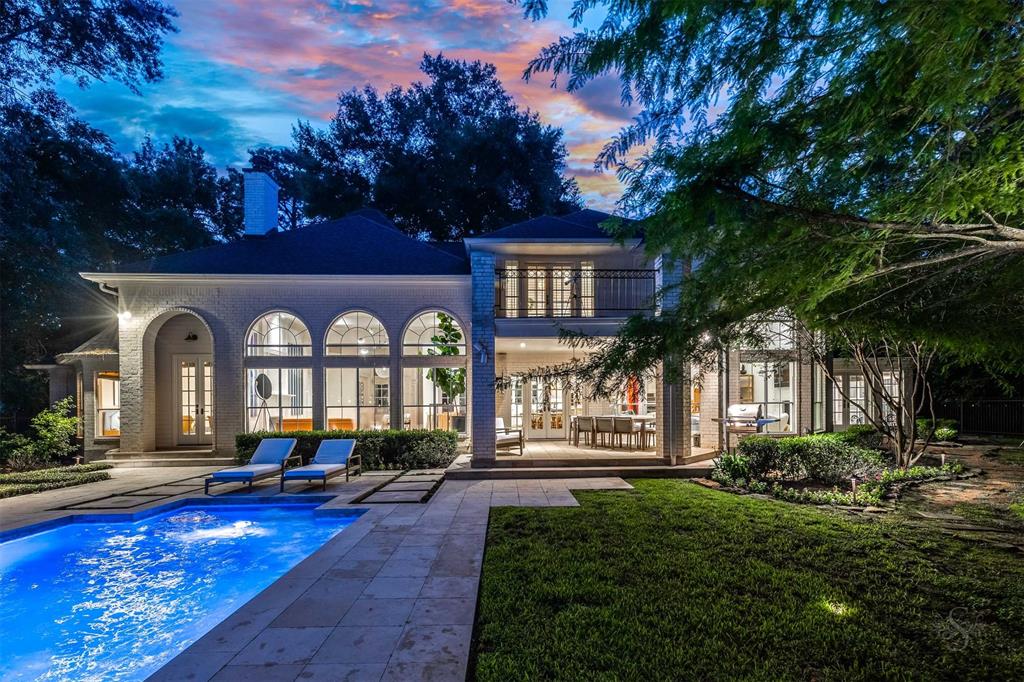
[26,482]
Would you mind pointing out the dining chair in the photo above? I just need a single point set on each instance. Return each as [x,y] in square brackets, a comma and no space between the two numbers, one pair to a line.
[623,426]
[585,425]
[603,425]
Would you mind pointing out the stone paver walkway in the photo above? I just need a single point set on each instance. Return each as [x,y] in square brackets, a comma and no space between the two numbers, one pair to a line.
[392,597]
[413,486]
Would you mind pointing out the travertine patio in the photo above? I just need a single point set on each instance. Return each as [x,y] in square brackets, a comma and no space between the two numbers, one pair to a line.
[392,597]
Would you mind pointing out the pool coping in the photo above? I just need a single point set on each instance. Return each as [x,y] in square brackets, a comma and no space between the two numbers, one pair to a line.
[322,508]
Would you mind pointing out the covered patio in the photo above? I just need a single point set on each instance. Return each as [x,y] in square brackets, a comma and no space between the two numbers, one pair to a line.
[541,452]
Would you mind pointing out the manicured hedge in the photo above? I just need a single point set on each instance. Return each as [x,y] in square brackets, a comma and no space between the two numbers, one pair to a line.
[825,457]
[412,449]
[25,482]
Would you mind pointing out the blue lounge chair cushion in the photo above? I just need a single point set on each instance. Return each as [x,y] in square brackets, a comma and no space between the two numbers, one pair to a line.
[245,473]
[334,451]
[313,471]
[273,451]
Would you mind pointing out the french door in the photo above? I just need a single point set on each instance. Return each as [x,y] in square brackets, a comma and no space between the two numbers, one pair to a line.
[547,410]
[194,389]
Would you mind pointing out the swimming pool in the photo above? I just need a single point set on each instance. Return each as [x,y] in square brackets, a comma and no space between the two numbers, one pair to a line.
[102,600]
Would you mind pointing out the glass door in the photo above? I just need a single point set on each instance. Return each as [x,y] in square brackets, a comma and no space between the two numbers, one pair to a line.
[195,399]
[547,410]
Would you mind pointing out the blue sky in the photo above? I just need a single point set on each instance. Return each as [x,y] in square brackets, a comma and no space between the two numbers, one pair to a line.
[241,72]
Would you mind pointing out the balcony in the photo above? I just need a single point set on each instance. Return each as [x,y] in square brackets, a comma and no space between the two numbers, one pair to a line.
[584,292]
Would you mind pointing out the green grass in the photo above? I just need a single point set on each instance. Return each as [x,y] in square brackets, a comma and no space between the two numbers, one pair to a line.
[26,482]
[673,581]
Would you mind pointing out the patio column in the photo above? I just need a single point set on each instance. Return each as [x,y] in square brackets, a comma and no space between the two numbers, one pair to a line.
[674,430]
[481,352]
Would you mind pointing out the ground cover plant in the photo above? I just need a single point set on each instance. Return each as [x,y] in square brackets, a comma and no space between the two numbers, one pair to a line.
[673,581]
[25,482]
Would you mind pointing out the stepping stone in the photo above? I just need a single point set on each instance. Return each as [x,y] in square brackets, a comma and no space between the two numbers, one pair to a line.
[420,478]
[166,490]
[429,472]
[402,484]
[118,502]
[400,496]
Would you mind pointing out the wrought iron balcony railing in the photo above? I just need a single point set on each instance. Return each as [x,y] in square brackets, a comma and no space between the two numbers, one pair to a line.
[557,291]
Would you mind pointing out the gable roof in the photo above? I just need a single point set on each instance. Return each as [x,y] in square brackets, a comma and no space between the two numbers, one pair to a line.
[583,224]
[104,343]
[361,243]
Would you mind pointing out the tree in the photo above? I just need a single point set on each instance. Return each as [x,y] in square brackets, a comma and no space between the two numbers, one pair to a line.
[173,201]
[859,161]
[87,40]
[448,158]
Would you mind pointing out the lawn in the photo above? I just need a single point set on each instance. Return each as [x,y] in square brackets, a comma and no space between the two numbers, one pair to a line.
[674,581]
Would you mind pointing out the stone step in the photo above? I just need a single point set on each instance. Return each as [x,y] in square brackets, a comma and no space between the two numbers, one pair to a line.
[182,453]
[131,463]
[661,471]
[611,461]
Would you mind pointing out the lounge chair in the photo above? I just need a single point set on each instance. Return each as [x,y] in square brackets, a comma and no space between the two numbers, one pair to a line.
[507,438]
[269,460]
[333,458]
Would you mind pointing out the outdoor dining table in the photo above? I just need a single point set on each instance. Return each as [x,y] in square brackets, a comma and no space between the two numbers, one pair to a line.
[644,420]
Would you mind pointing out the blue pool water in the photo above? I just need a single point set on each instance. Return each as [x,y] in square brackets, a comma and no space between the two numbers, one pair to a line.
[116,600]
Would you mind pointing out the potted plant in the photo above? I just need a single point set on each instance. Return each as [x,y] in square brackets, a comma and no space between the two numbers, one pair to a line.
[451,380]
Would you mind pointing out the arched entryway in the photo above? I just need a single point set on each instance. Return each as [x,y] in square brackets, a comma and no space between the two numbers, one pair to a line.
[183,364]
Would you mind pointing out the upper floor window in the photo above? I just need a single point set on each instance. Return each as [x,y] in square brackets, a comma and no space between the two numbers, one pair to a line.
[357,333]
[278,334]
[434,333]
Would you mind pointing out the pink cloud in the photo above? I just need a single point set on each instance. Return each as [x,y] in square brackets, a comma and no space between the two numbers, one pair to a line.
[311,51]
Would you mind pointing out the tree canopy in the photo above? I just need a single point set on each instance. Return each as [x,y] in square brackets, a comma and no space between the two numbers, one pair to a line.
[857,161]
[445,158]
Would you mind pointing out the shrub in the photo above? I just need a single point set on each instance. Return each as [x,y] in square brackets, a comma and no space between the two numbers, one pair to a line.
[25,482]
[413,449]
[926,427]
[828,458]
[16,451]
[862,435]
[730,468]
[945,434]
[762,454]
[55,431]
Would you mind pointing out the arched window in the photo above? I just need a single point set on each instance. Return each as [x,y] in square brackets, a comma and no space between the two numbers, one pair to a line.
[278,334]
[434,391]
[357,333]
[434,333]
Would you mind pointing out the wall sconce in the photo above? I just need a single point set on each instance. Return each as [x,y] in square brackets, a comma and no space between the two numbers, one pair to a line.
[191,336]
[482,350]
[124,315]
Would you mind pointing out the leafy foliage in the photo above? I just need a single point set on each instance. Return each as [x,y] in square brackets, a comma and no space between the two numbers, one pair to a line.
[385,449]
[39,480]
[451,380]
[55,429]
[87,40]
[857,162]
[448,158]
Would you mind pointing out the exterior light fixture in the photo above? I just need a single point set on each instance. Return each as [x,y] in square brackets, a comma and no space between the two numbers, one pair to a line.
[363,351]
[124,315]
[522,344]
[853,480]
[191,336]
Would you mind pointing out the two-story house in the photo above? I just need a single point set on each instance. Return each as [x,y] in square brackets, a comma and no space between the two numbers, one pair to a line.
[350,323]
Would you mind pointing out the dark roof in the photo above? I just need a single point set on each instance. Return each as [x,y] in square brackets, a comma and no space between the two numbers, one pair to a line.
[361,243]
[104,343]
[583,224]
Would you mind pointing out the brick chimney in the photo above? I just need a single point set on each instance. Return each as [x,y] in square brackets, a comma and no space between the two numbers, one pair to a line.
[259,194]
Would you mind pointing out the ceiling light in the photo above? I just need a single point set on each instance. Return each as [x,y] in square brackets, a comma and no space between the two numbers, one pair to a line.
[522,344]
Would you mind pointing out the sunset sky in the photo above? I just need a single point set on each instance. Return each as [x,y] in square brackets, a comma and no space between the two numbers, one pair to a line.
[241,72]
